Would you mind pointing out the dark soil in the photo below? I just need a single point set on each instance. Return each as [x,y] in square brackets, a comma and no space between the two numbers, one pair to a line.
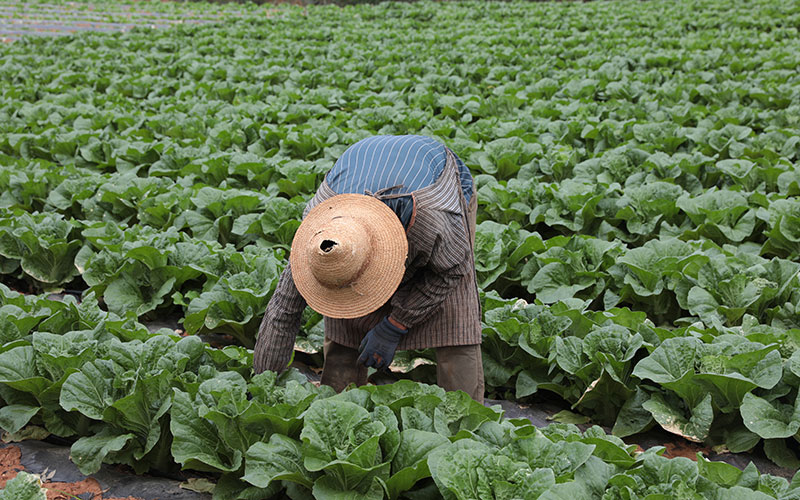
[63,481]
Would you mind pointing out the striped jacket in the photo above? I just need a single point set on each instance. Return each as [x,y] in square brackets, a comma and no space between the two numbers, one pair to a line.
[437,298]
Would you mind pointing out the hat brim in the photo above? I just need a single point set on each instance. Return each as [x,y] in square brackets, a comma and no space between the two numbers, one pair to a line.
[380,276]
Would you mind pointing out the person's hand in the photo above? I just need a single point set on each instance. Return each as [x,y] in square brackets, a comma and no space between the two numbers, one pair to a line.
[379,344]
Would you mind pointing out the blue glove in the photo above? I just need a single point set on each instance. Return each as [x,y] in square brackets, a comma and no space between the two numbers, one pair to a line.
[378,346]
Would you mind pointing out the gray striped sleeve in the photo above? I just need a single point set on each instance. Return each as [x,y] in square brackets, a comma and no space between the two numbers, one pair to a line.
[440,254]
[281,321]
[280,326]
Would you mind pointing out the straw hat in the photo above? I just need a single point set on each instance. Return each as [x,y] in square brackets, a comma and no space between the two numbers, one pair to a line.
[348,256]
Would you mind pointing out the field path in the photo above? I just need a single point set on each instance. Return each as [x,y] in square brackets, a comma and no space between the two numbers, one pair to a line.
[19,17]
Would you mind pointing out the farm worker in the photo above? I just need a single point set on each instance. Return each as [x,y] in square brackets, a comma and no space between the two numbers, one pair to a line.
[385,254]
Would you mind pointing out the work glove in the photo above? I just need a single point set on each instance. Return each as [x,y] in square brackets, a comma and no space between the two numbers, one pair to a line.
[378,346]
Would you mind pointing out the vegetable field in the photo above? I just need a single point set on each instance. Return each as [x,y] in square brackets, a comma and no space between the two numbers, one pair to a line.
[638,245]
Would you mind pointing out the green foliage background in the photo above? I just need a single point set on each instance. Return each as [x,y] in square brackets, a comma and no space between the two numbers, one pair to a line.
[638,217]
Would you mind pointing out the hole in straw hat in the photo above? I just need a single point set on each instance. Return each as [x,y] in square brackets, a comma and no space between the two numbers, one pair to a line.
[327,245]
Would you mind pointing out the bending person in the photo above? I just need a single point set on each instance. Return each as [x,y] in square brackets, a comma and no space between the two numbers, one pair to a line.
[385,254]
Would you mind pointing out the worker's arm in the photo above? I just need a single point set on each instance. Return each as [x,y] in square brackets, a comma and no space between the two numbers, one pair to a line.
[281,322]
[440,259]
[441,256]
[280,326]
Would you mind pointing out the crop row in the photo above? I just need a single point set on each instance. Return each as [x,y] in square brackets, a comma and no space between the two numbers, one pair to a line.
[615,365]
[156,401]
[627,195]
[139,267]
[637,178]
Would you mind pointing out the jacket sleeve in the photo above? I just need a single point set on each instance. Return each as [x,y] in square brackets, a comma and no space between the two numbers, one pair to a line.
[280,326]
[281,321]
[440,260]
